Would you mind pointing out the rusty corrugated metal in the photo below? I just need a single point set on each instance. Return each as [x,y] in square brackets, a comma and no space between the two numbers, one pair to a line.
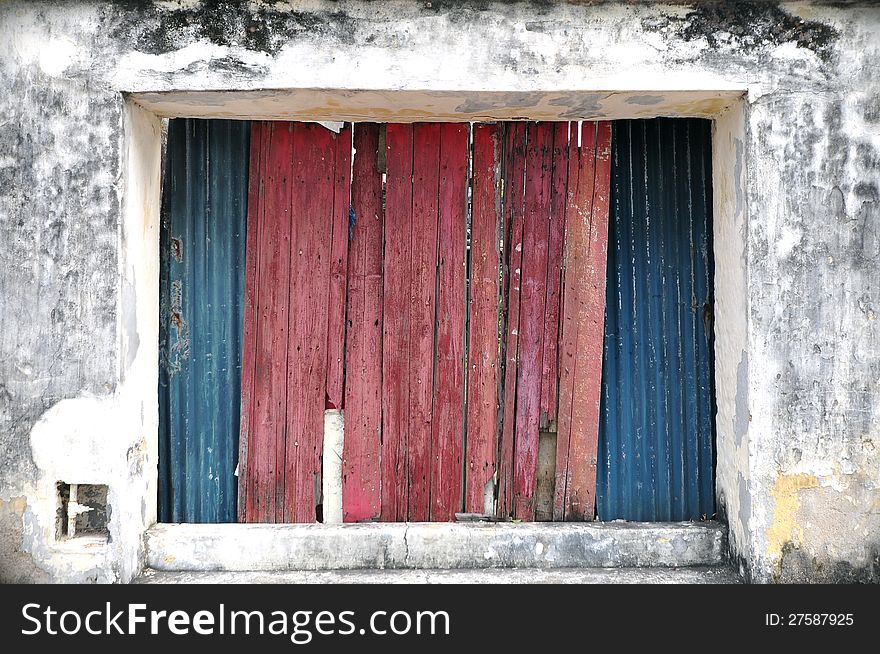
[656,458]
[204,214]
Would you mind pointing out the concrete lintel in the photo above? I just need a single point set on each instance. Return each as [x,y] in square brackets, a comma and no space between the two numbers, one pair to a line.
[176,547]
[416,106]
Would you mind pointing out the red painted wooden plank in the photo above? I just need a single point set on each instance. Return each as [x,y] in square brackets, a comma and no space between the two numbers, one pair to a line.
[559,179]
[483,351]
[312,194]
[448,413]
[584,307]
[575,302]
[249,453]
[590,236]
[396,325]
[298,340]
[338,268]
[423,312]
[536,231]
[279,233]
[514,162]
[569,331]
[361,473]
[269,224]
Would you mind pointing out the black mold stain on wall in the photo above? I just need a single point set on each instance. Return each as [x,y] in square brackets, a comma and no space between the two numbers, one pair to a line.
[753,25]
[797,567]
[156,31]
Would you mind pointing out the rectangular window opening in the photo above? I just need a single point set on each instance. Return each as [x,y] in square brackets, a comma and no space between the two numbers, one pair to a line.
[498,321]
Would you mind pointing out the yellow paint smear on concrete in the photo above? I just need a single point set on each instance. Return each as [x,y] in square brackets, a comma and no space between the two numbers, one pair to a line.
[15,505]
[784,527]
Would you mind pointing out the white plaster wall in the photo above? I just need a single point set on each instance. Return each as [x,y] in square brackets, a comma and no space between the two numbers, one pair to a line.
[112,440]
[730,236]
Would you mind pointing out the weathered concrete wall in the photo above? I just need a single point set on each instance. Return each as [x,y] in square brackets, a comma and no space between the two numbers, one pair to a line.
[78,271]
[799,468]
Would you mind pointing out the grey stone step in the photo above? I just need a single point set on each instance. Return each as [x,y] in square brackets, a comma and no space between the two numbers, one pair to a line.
[434,546]
[694,575]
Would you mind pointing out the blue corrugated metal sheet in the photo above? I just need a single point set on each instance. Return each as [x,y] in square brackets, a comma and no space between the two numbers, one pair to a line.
[201,311]
[656,442]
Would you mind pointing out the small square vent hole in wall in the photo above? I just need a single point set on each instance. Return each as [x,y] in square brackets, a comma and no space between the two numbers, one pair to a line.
[82,511]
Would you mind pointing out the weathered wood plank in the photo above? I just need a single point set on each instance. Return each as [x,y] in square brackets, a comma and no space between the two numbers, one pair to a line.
[559,179]
[249,453]
[447,441]
[312,194]
[396,309]
[514,162]
[583,324]
[338,267]
[361,473]
[269,322]
[577,300]
[536,230]
[277,321]
[423,312]
[483,349]
[569,332]
[590,236]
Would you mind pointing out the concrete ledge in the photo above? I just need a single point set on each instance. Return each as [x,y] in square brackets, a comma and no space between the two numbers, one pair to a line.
[178,547]
[694,575]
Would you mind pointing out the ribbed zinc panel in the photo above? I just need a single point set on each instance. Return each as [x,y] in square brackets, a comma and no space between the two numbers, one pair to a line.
[656,434]
[204,214]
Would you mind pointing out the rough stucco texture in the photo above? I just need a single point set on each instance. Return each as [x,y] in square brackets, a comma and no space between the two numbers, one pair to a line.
[807,405]
[60,204]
